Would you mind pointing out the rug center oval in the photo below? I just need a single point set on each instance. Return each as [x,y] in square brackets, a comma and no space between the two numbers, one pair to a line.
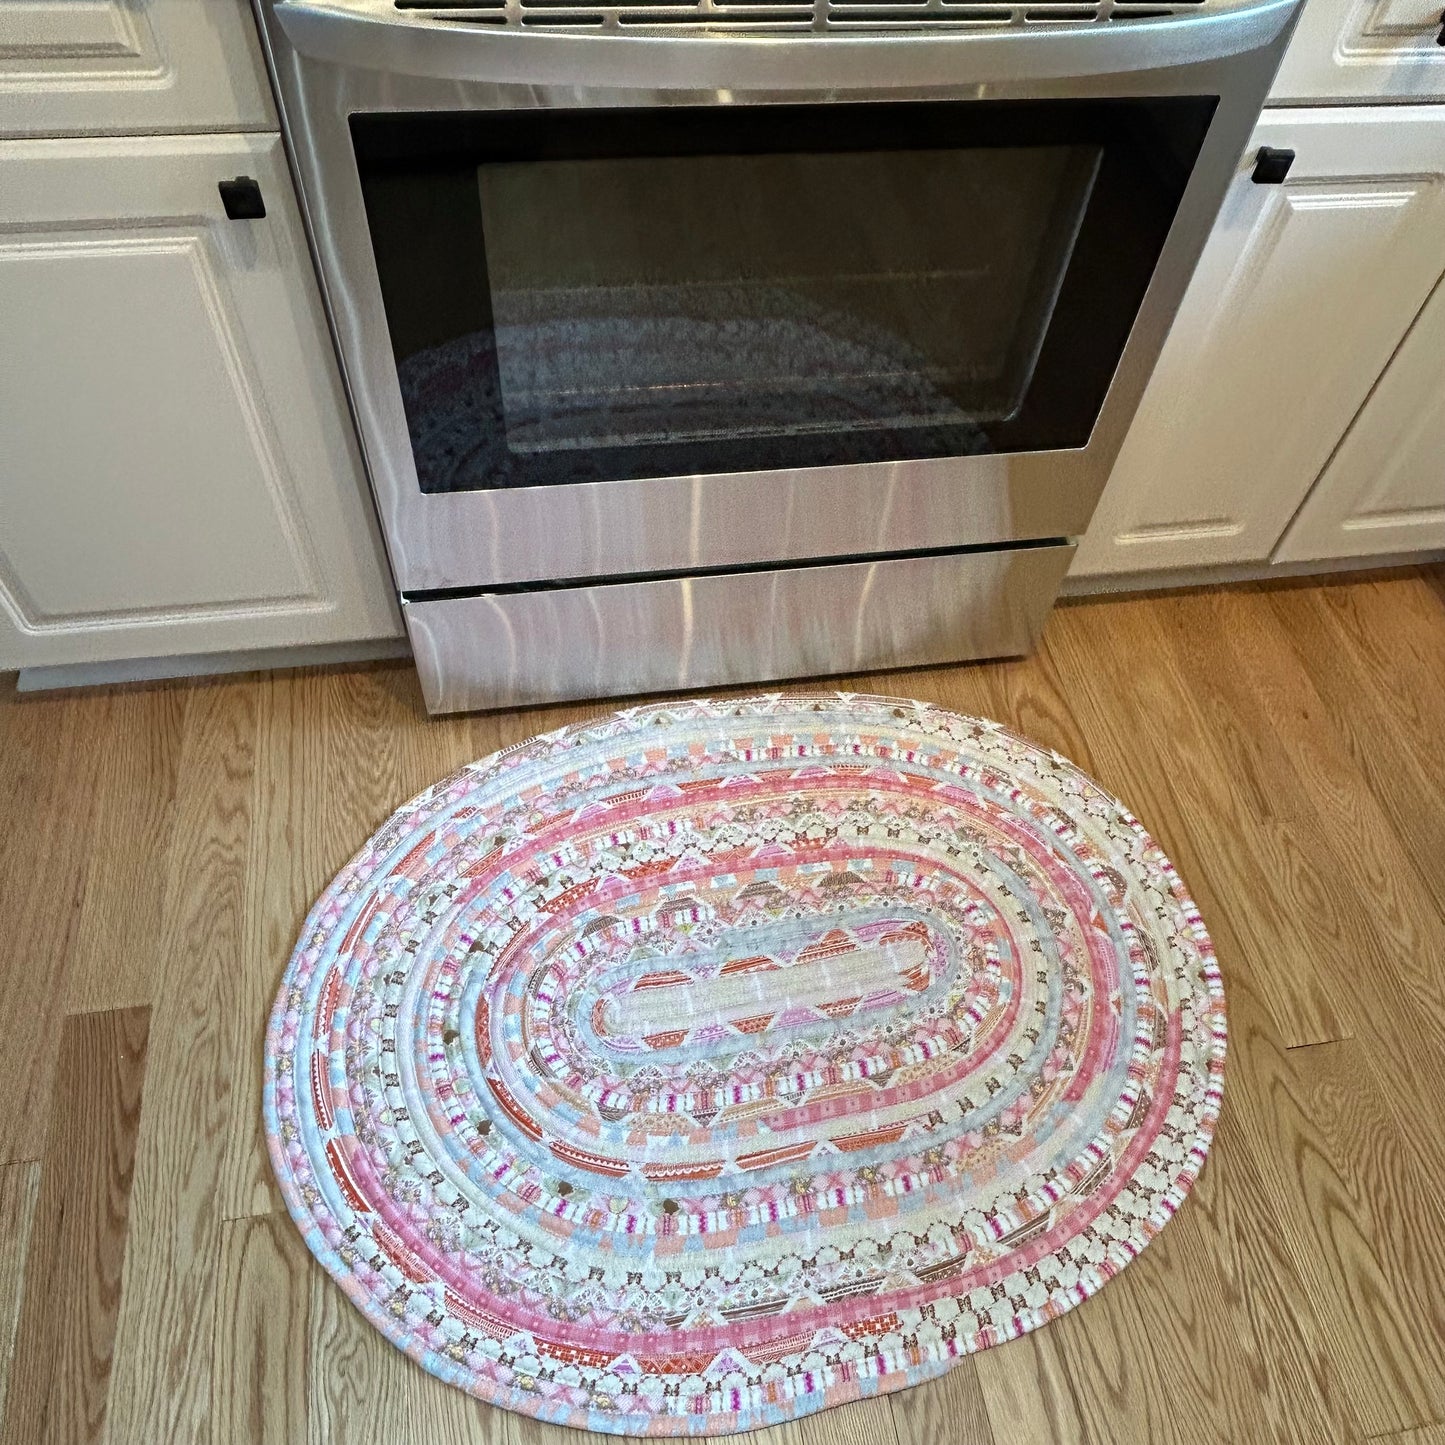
[798,979]
[749,1053]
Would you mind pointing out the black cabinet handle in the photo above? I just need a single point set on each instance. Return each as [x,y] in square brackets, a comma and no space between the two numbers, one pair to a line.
[1271,166]
[242,199]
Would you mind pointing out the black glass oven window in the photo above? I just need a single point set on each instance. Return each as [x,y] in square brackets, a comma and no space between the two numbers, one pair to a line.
[589,296]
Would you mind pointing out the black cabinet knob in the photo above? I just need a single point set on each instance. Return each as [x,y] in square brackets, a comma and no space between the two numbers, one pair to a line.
[242,199]
[1271,166]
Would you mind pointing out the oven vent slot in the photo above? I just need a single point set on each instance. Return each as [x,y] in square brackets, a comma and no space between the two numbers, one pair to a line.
[809,16]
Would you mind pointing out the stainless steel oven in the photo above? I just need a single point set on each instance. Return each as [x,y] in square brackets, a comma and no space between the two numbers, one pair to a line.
[698,341]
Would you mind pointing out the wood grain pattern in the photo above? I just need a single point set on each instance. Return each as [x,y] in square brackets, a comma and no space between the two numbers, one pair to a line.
[1376,1198]
[114,963]
[1425,1435]
[951,1407]
[1286,746]
[1227,776]
[1175,1355]
[864,1422]
[60,1378]
[1350,1247]
[1393,938]
[49,751]
[1390,968]
[161,1379]
[262,1335]
[1373,654]
[1028,1394]
[19,1184]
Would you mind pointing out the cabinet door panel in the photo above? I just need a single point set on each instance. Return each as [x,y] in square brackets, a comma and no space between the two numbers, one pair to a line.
[1363,50]
[1300,299]
[90,67]
[1384,490]
[149,461]
[179,473]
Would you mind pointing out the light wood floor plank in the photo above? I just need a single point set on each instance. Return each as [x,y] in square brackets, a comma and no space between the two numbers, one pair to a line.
[1169,1353]
[1375,658]
[1251,690]
[1352,1253]
[951,1408]
[18,1186]
[50,748]
[1388,967]
[1116,1384]
[504,1428]
[1194,1301]
[1379,1221]
[60,1379]
[1120,656]
[864,1422]
[1275,1369]
[115,956]
[262,1337]
[1028,1394]
[161,1382]
[1259,1366]
[1029,696]
[281,878]
[1255,687]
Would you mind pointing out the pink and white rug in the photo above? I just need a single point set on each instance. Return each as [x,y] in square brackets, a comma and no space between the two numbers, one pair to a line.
[707,1064]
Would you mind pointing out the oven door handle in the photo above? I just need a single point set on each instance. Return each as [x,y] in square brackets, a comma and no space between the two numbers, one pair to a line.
[368,35]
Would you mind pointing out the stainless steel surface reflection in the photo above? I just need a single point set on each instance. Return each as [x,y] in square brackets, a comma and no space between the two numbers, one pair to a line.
[517,649]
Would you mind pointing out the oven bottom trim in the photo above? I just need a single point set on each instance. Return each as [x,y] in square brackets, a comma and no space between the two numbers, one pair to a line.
[522,648]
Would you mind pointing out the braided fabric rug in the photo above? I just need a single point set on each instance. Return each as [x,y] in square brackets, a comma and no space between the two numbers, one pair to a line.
[710,1063]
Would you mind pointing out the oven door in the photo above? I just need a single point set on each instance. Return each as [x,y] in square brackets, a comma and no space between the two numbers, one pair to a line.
[596,332]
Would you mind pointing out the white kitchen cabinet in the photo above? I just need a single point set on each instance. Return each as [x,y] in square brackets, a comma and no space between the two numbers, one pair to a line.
[101,67]
[1364,50]
[1303,293]
[1384,489]
[179,472]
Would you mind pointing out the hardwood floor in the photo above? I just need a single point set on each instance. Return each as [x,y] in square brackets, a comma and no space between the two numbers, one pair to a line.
[60,1375]
[1286,745]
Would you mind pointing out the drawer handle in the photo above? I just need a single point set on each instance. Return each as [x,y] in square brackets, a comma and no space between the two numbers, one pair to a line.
[1271,166]
[242,199]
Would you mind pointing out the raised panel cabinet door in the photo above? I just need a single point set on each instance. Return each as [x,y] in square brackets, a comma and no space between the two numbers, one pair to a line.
[1363,50]
[1384,489]
[179,472]
[98,67]
[1302,294]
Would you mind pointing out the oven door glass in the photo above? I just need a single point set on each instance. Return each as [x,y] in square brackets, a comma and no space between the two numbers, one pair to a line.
[582,296]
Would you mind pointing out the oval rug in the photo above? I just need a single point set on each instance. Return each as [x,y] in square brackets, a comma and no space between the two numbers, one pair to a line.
[710,1063]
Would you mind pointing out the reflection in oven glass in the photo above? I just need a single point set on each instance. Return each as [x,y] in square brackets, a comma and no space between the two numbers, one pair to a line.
[579,297]
[648,300]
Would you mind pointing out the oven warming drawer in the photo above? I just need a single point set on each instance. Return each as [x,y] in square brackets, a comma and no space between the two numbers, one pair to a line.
[517,648]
